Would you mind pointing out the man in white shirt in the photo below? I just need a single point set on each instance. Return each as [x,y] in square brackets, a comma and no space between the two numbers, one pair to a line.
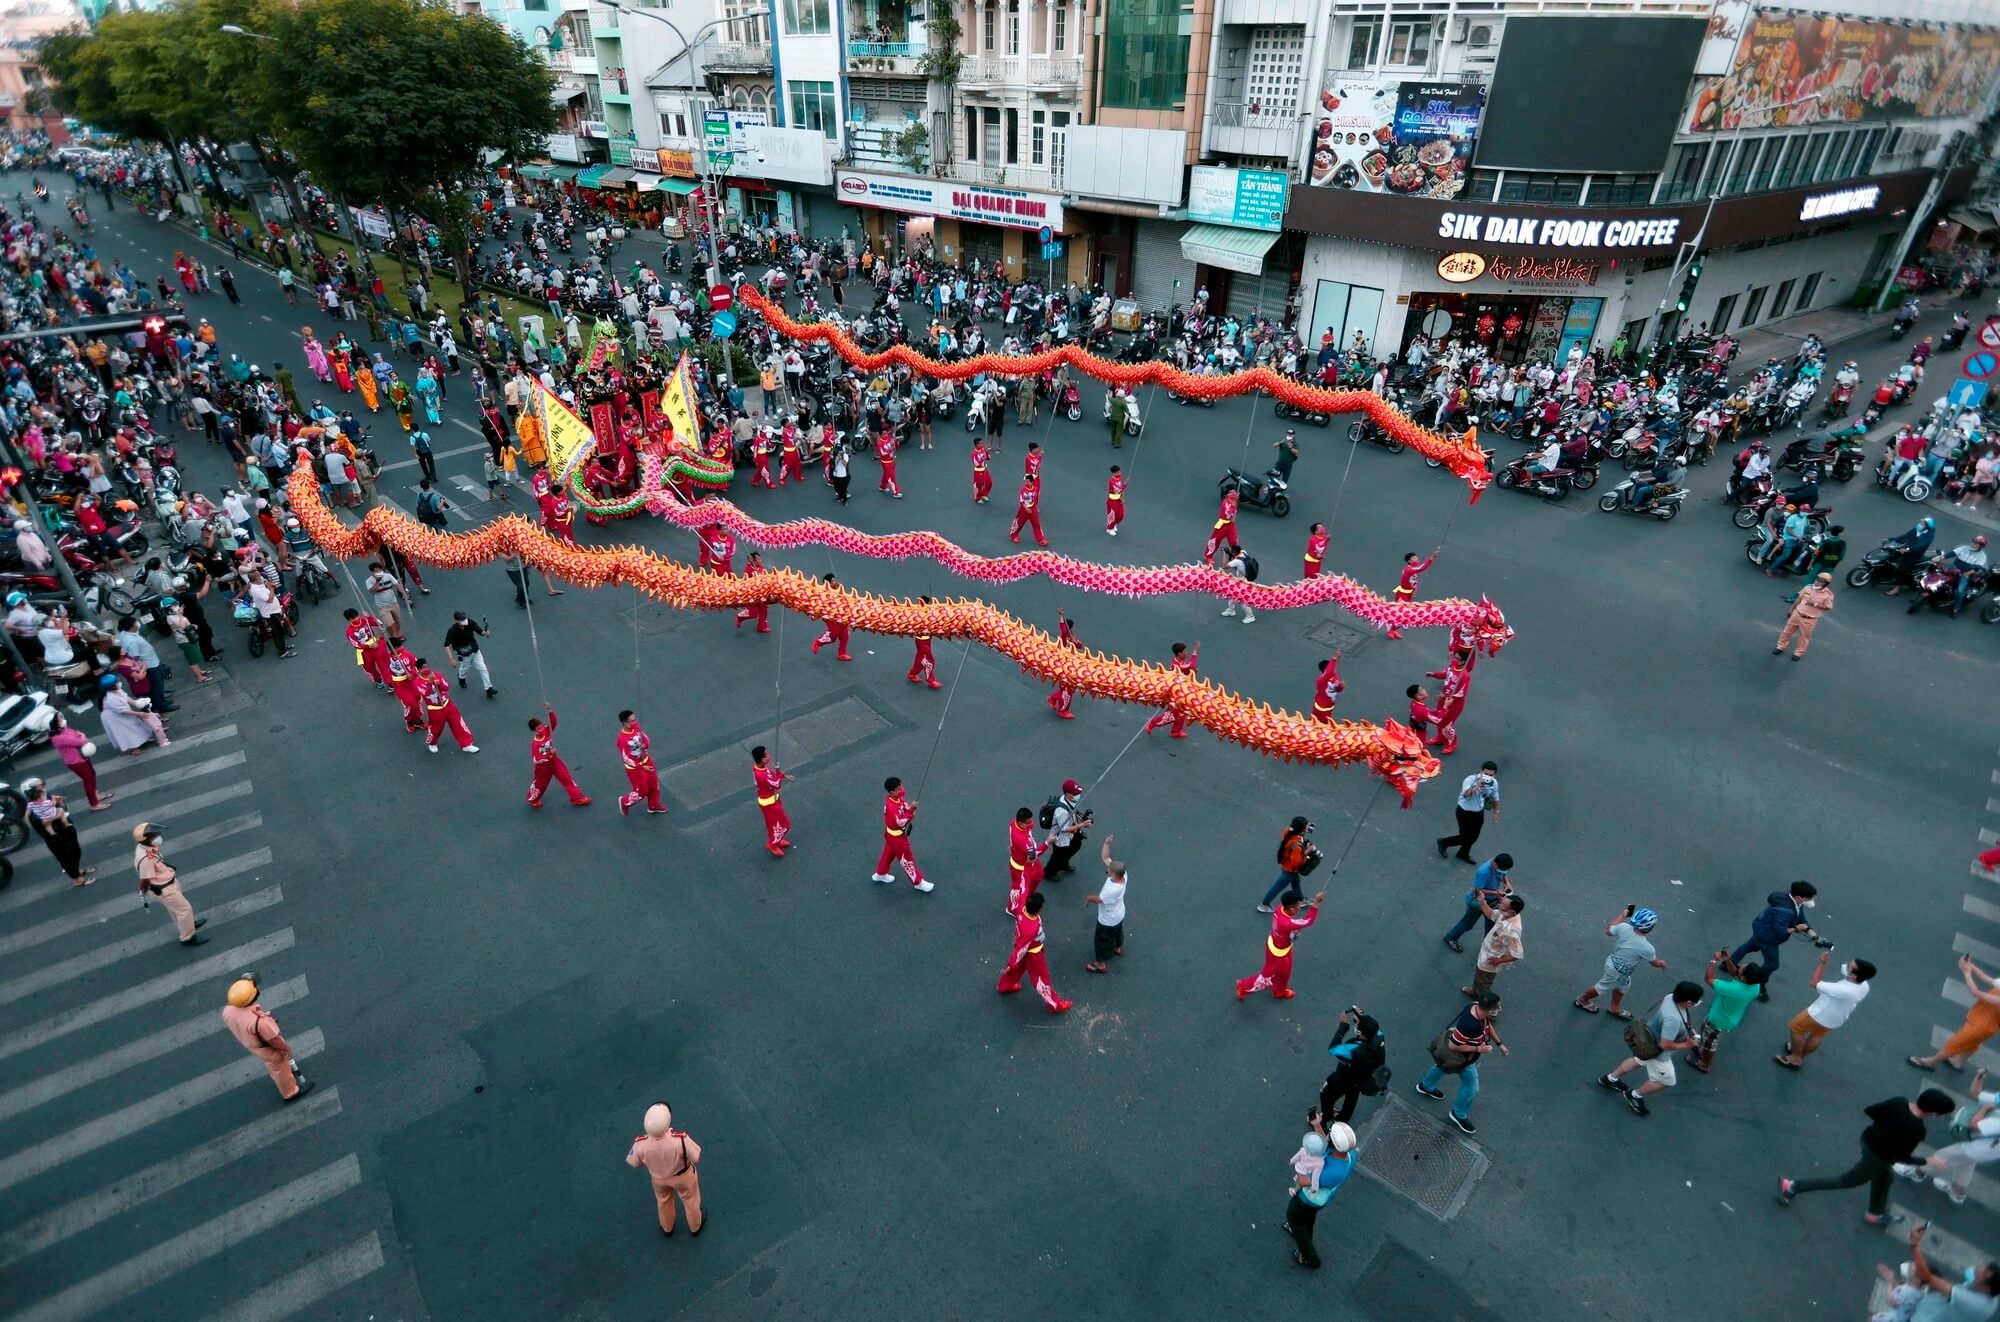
[1110,901]
[1830,1008]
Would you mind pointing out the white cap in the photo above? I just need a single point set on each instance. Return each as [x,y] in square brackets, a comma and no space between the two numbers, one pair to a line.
[1341,1136]
[659,1119]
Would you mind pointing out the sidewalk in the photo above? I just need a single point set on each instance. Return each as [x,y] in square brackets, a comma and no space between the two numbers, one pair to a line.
[1833,325]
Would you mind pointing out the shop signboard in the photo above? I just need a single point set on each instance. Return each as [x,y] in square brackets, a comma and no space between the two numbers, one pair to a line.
[564,147]
[370,222]
[1243,199]
[799,156]
[1414,139]
[677,164]
[1005,207]
[622,149]
[1861,69]
[1580,327]
[740,124]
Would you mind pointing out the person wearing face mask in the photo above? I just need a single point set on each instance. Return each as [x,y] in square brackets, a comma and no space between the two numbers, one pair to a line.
[1783,915]
[1834,1002]
[158,879]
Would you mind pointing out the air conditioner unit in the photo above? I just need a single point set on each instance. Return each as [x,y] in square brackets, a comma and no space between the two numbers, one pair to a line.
[1480,35]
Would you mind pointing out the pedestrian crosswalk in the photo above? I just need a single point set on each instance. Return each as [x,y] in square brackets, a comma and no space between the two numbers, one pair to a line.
[144,1152]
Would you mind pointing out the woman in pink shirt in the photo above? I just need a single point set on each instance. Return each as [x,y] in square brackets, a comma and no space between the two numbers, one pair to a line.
[74,747]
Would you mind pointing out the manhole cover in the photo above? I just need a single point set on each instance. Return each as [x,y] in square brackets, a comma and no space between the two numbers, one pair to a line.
[1422,1158]
[1338,637]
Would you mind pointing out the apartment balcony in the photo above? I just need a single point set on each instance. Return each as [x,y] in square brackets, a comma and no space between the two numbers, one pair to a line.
[584,66]
[1251,129]
[1049,75]
[900,58]
[1039,178]
[740,57]
[1059,73]
[1267,13]
[871,145]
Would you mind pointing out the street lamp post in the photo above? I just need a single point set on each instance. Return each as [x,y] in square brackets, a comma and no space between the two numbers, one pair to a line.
[712,200]
[1691,249]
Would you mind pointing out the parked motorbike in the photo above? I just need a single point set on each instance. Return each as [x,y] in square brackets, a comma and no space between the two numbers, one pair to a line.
[24,721]
[1134,424]
[1072,402]
[1662,502]
[1267,492]
[1914,486]
[13,827]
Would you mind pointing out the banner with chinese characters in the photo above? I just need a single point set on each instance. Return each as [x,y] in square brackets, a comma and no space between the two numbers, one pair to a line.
[1860,71]
[1389,136]
[565,437]
[677,402]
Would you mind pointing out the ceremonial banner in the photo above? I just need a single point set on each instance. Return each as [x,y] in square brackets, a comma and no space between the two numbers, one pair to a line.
[677,402]
[649,408]
[604,423]
[568,440]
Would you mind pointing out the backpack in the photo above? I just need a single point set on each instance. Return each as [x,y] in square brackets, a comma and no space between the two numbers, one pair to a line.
[1046,819]
[1250,568]
[1376,1083]
[429,511]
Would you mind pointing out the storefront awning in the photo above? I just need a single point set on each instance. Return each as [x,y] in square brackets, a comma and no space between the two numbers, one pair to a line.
[552,173]
[591,176]
[563,95]
[616,177]
[1975,218]
[1230,249]
[680,187]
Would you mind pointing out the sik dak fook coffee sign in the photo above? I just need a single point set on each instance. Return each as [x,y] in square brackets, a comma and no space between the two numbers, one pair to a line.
[1387,136]
[1534,271]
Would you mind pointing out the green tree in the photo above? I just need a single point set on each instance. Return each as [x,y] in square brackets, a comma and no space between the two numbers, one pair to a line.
[398,102]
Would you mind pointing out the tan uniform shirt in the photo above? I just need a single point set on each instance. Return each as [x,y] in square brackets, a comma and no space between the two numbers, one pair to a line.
[668,1157]
[1814,601]
[255,1028]
[153,870]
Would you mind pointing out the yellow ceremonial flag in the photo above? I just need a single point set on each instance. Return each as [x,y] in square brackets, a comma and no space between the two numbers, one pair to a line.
[677,402]
[567,437]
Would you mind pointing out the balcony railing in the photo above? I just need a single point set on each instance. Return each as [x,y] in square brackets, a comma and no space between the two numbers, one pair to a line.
[1054,71]
[740,55]
[1041,178]
[898,50]
[987,69]
[1251,115]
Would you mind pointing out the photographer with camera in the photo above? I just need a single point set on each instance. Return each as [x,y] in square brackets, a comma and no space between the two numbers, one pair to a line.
[1783,917]
[1297,857]
[1829,1010]
[1066,825]
[1363,1069]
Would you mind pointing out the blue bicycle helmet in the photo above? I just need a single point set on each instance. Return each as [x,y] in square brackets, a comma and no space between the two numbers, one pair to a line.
[1644,920]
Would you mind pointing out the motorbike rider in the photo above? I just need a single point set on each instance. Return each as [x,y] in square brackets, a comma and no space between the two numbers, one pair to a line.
[1849,376]
[1791,536]
[1921,351]
[1664,474]
[1548,459]
[1906,315]
[1798,394]
[1967,565]
[1960,324]
[1806,493]
[1908,549]
[1753,464]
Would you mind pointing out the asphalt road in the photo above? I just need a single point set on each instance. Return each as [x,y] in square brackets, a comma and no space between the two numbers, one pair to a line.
[500,993]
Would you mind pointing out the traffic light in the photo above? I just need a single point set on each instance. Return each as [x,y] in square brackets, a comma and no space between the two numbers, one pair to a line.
[1688,283]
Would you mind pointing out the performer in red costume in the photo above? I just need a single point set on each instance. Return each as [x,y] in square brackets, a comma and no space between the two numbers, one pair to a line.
[835,634]
[1224,532]
[1406,585]
[982,478]
[769,779]
[760,458]
[923,670]
[1027,511]
[1031,462]
[1286,922]
[885,454]
[718,550]
[401,668]
[1187,661]
[1026,959]
[789,467]
[1422,715]
[635,750]
[1065,635]
[548,762]
[761,612]
[1316,550]
[1326,688]
[897,813]
[1114,501]
[370,644]
[1024,860]
[1451,701]
[558,518]
[439,709]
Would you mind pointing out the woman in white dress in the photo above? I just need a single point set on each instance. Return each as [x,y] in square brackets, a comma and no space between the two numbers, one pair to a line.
[129,722]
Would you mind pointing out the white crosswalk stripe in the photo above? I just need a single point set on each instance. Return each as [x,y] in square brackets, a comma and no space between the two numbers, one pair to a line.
[197,1245]
[113,1033]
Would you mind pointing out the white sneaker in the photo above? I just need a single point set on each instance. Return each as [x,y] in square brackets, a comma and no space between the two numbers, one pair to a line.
[432,747]
[471,748]
[1248,618]
[1228,610]
[882,877]
[928,887]
[1943,1186]
[1910,1170]
[1111,531]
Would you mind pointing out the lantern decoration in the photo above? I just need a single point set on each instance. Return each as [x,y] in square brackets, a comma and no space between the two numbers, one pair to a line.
[1461,454]
[1390,750]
